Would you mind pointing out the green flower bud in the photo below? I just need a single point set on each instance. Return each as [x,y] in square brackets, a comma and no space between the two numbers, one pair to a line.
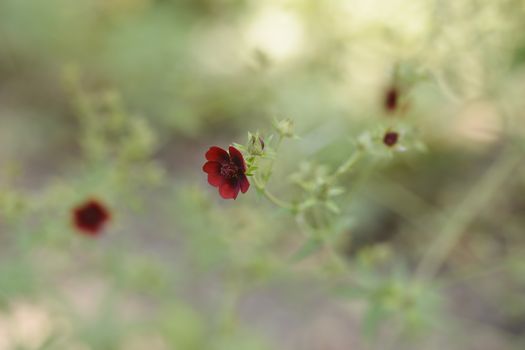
[255,144]
[284,127]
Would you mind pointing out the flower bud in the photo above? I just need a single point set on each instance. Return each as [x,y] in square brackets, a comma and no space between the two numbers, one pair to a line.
[284,127]
[391,99]
[255,144]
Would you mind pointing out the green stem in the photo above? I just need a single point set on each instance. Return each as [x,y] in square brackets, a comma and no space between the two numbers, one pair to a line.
[271,197]
[261,183]
[272,161]
[343,168]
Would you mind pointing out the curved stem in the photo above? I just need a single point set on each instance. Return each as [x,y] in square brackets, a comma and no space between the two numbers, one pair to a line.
[261,183]
[271,197]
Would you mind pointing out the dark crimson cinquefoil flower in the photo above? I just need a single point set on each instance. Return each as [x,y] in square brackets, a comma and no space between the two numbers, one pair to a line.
[391,99]
[90,217]
[226,171]
[390,138]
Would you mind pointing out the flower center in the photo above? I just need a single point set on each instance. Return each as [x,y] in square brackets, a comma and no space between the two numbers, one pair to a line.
[229,170]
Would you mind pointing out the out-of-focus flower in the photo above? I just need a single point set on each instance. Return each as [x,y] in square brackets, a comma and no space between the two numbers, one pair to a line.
[90,217]
[390,138]
[227,171]
[391,99]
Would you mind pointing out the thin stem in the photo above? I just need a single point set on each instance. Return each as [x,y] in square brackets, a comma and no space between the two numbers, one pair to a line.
[261,183]
[477,198]
[271,197]
[272,161]
[343,168]
[277,201]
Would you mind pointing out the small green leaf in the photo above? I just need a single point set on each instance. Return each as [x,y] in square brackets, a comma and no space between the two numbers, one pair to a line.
[307,204]
[332,207]
[336,191]
[239,146]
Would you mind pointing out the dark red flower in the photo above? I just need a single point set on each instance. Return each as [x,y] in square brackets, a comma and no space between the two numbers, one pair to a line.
[390,138]
[90,217]
[391,99]
[226,171]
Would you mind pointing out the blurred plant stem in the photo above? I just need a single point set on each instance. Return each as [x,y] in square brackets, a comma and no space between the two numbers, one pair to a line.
[269,171]
[271,197]
[261,184]
[462,215]
[346,166]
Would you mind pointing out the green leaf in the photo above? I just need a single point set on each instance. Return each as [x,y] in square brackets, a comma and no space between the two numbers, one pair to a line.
[307,204]
[332,207]
[239,146]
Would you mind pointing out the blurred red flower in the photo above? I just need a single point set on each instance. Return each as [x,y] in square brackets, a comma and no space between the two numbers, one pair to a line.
[390,138]
[391,99]
[227,171]
[90,217]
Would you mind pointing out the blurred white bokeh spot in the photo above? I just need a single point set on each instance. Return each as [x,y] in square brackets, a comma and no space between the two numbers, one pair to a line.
[276,32]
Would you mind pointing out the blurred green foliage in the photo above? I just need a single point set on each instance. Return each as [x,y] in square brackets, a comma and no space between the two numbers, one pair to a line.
[418,245]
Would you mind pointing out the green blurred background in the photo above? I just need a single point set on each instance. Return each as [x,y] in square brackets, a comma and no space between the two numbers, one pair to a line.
[120,99]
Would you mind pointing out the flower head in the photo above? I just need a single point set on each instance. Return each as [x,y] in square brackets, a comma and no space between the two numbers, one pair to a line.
[227,171]
[390,138]
[90,217]
[391,99]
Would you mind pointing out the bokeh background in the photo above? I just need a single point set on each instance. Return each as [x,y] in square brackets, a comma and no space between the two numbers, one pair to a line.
[120,99]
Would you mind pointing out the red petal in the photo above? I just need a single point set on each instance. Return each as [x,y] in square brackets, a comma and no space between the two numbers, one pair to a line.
[212,168]
[244,183]
[237,157]
[215,179]
[216,154]
[229,189]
